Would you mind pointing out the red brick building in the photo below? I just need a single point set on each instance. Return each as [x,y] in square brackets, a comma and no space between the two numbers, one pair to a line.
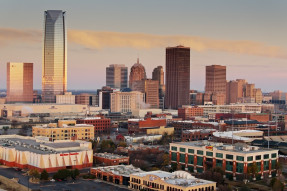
[260,117]
[180,126]
[139,125]
[188,113]
[102,125]
[197,134]
[109,159]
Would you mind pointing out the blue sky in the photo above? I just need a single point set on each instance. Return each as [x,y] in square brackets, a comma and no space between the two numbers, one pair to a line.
[224,22]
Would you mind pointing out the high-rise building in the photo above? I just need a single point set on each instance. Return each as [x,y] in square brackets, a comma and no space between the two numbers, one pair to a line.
[104,96]
[177,77]
[150,89]
[158,75]
[117,76]
[86,99]
[137,73]
[215,83]
[54,76]
[19,82]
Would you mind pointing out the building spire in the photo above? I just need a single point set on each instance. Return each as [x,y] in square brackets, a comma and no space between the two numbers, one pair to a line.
[138,60]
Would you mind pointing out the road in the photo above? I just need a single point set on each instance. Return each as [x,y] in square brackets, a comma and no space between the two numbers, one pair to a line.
[78,185]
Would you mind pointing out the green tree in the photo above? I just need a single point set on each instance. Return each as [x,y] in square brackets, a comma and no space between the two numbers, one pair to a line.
[107,146]
[44,175]
[75,173]
[34,173]
[62,174]
[253,169]
[122,144]
[278,167]
[173,166]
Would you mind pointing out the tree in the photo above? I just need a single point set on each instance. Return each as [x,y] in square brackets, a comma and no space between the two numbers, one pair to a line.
[107,146]
[23,131]
[62,174]
[276,184]
[122,144]
[244,188]
[278,167]
[75,173]
[44,175]
[34,173]
[173,166]
[253,169]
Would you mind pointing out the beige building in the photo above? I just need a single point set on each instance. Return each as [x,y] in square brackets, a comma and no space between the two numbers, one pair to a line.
[258,95]
[127,101]
[39,153]
[67,98]
[19,82]
[161,130]
[150,89]
[65,130]
[161,180]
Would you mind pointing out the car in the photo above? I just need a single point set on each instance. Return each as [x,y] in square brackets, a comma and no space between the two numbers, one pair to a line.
[59,180]
[52,180]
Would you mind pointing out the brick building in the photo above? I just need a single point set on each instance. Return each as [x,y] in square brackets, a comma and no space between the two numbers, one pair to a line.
[110,159]
[197,134]
[102,125]
[187,113]
[260,117]
[198,156]
[180,126]
[139,125]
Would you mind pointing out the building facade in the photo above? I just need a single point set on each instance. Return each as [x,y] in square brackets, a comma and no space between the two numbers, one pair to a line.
[54,75]
[117,76]
[198,156]
[127,101]
[158,75]
[177,77]
[187,113]
[101,125]
[67,98]
[86,99]
[110,159]
[19,82]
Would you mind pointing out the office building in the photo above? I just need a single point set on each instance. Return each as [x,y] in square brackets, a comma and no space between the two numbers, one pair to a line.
[158,75]
[19,82]
[127,101]
[64,130]
[67,98]
[86,99]
[54,76]
[104,95]
[110,159]
[177,77]
[188,113]
[117,76]
[199,156]
[150,89]
[41,154]
[137,73]
[166,181]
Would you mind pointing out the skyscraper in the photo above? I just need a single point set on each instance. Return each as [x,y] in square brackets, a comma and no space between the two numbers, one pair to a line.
[54,74]
[19,82]
[137,73]
[177,76]
[117,76]
[158,75]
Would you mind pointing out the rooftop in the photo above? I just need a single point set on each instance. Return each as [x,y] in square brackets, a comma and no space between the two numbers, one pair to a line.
[109,155]
[121,170]
[236,134]
[39,146]
[180,178]
[240,148]
[190,121]
[199,130]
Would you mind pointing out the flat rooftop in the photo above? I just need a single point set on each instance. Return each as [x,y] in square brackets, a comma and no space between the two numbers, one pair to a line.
[64,126]
[190,121]
[236,134]
[121,170]
[199,130]
[109,155]
[180,178]
[39,146]
[240,148]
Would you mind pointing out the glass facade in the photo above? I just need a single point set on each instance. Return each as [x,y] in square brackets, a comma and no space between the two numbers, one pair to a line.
[54,74]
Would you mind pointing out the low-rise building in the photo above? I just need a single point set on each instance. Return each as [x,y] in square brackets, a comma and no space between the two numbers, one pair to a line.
[109,159]
[65,130]
[119,174]
[137,126]
[180,126]
[242,136]
[198,156]
[197,134]
[39,153]
[176,181]
[102,125]
[67,98]
[236,125]
[187,113]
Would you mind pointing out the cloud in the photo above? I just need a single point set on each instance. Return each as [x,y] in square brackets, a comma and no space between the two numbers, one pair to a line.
[105,39]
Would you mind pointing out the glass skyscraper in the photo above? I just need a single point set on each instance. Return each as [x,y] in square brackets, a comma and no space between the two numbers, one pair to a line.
[54,74]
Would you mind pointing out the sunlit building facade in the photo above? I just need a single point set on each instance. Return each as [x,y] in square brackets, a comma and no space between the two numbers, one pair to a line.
[54,76]
[19,82]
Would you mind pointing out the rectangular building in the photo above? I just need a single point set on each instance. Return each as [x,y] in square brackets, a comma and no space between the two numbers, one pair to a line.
[40,154]
[19,82]
[110,159]
[187,113]
[65,130]
[198,156]
[117,76]
[102,125]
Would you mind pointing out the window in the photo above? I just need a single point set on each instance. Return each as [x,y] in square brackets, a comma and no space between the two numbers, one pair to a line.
[219,163]
[239,167]
[182,158]
[258,157]
[190,159]
[266,165]
[199,152]
[209,153]
[250,158]
[182,149]
[274,155]
[229,165]
[173,156]
[174,148]
[240,158]
[266,156]
[219,155]
[200,161]
[229,157]
[190,150]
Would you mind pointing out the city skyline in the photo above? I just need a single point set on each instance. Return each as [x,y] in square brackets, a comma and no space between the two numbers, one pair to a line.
[224,41]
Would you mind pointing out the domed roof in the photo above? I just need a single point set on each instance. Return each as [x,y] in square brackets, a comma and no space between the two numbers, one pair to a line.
[137,65]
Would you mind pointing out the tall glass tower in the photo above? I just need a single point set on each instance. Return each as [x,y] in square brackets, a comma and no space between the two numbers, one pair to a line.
[54,74]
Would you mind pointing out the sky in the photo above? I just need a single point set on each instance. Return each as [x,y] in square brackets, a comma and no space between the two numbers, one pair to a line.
[247,36]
